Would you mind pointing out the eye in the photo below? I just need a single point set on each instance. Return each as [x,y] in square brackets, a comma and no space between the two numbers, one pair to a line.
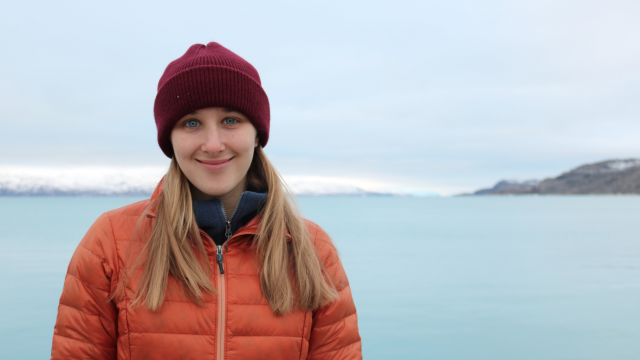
[229,121]
[192,123]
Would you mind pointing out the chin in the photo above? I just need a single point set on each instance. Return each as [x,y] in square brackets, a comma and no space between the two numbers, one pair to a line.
[213,189]
[215,186]
[216,191]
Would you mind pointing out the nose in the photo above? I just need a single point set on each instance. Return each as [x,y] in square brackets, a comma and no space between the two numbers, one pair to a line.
[212,142]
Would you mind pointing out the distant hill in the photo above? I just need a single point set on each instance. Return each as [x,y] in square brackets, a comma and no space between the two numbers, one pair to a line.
[606,177]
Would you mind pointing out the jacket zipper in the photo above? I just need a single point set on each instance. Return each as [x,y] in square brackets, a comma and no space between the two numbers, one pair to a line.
[221,303]
[221,285]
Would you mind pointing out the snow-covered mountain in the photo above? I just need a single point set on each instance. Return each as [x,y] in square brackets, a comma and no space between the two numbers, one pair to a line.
[79,181]
[113,181]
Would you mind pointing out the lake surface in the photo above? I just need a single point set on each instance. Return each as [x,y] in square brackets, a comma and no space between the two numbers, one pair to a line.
[433,278]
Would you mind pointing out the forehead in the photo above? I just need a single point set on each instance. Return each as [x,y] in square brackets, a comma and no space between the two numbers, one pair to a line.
[225,110]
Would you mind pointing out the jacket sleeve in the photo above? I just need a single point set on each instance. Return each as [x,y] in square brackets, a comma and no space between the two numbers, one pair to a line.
[334,331]
[86,326]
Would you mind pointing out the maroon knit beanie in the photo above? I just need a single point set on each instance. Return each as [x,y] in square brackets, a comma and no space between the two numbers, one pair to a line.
[209,76]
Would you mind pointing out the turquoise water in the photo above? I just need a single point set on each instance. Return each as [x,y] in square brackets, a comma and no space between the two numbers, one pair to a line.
[433,278]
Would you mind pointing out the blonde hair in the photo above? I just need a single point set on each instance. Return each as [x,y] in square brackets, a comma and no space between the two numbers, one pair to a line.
[291,272]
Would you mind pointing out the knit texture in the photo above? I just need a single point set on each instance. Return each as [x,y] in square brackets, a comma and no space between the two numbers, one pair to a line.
[209,76]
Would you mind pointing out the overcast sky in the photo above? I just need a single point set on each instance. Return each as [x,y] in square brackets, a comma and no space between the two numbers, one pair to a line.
[443,95]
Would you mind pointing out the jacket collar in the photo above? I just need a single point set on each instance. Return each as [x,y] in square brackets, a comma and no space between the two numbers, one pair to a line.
[210,215]
[250,228]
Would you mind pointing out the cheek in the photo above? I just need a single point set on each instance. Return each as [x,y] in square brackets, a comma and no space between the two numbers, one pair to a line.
[243,143]
[182,147]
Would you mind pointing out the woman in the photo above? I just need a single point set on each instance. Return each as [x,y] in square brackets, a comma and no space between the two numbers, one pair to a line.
[217,264]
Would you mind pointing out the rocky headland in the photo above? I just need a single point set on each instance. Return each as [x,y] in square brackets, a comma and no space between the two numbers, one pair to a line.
[607,178]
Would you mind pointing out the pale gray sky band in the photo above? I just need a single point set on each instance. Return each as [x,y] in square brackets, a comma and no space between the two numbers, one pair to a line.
[446,95]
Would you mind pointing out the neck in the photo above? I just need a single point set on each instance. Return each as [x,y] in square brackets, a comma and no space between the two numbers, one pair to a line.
[229,200]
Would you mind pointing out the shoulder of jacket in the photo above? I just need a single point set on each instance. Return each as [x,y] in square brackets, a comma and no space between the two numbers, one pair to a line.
[135,209]
[324,245]
[318,235]
[110,227]
[328,254]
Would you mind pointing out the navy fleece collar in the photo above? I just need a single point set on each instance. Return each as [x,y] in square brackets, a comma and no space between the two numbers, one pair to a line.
[210,215]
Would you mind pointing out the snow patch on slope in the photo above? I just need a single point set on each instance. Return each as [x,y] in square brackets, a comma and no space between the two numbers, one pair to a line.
[621,165]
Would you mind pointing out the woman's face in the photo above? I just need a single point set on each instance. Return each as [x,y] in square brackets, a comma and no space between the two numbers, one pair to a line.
[214,148]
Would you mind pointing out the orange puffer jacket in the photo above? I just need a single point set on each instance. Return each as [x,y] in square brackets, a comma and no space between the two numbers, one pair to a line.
[235,323]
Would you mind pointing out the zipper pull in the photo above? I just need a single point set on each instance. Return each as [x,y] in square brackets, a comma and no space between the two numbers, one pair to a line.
[219,258]
[227,232]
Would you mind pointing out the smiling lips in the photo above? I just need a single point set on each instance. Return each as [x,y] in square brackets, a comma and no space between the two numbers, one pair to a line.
[215,164]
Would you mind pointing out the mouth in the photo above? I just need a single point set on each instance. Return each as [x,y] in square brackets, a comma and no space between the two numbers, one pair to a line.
[215,164]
